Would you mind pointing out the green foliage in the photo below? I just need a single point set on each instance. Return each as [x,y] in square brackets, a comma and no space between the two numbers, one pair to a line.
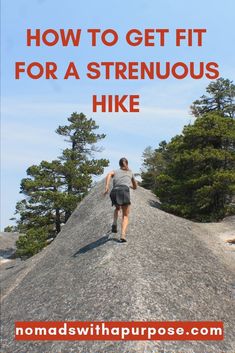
[199,180]
[52,190]
[221,99]
[32,242]
[154,162]
[43,189]
[194,174]
[78,162]
[9,229]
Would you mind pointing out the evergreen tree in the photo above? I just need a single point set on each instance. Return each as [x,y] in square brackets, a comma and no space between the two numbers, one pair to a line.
[31,243]
[154,162]
[52,190]
[199,182]
[44,202]
[221,99]
[78,162]
[194,174]
[10,229]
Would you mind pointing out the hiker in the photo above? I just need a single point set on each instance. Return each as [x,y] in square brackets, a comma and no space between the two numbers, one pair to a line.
[123,180]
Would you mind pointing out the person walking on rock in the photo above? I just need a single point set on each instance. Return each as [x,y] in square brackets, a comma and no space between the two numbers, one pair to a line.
[123,180]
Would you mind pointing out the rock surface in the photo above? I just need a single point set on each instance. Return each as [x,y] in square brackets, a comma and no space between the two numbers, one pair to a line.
[169,270]
[7,246]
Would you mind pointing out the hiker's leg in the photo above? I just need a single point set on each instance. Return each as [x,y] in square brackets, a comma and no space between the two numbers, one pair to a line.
[115,215]
[125,215]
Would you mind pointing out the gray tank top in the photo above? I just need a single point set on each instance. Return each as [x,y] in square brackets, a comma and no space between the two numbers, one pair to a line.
[122,177]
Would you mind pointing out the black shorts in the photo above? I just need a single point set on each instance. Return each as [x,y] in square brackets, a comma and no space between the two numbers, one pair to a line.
[120,195]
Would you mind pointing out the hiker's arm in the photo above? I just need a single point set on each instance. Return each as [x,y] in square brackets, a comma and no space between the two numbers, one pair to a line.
[134,183]
[107,181]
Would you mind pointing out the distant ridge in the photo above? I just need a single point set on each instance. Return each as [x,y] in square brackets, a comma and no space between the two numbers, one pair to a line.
[7,245]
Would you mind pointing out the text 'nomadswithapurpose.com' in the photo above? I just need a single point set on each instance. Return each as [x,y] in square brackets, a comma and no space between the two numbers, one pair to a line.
[117,331]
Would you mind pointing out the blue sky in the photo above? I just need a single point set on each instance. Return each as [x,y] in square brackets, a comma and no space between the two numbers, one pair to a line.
[33,109]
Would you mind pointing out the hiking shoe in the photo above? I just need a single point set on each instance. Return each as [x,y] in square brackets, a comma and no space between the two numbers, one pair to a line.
[114,228]
[123,240]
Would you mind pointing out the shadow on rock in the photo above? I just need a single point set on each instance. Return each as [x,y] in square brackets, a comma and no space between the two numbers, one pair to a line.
[95,244]
[154,203]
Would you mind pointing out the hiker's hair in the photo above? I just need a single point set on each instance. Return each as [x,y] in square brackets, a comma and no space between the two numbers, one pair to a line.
[124,163]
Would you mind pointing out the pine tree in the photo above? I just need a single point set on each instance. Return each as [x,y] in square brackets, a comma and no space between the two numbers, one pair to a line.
[52,190]
[194,175]
[199,181]
[43,205]
[154,162]
[32,242]
[221,99]
[78,162]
